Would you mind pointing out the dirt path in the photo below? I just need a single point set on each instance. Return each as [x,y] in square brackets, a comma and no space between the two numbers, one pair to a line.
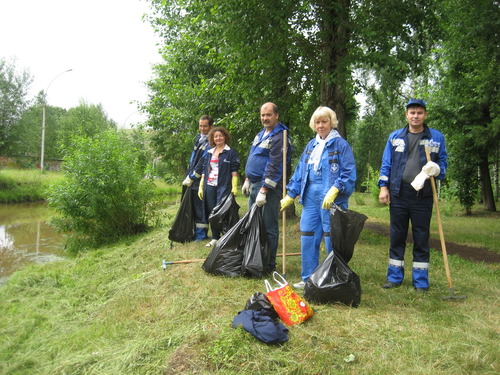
[475,254]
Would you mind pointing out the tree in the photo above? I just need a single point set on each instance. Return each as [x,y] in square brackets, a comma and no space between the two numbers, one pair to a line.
[14,89]
[227,60]
[26,134]
[86,120]
[466,97]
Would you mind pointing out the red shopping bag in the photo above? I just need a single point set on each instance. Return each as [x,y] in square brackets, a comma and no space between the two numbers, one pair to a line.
[290,307]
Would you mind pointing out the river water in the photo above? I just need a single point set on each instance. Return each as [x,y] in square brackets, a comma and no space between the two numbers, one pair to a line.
[26,237]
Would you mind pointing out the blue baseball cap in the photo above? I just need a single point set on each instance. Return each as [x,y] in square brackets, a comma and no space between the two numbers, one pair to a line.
[418,102]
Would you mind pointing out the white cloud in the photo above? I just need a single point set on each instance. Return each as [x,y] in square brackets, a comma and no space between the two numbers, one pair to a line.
[105,42]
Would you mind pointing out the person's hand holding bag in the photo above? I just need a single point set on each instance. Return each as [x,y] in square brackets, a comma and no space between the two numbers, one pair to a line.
[330,198]
[261,198]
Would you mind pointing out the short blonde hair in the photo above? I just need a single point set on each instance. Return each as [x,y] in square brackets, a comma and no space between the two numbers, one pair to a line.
[322,112]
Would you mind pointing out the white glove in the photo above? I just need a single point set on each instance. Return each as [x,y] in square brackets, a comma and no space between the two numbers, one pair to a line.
[245,189]
[187,182]
[431,169]
[419,181]
[260,200]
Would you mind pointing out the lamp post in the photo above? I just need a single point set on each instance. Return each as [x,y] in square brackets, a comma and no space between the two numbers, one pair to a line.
[42,151]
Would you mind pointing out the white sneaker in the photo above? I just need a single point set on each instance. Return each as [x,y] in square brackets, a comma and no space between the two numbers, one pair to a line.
[299,285]
[211,243]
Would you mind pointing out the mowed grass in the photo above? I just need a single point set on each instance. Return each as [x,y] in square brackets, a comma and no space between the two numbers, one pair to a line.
[115,311]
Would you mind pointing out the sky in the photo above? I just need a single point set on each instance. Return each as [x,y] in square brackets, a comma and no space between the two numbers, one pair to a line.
[105,42]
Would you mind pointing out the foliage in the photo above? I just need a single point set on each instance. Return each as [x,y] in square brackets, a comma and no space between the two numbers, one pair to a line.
[14,89]
[371,184]
[466,99]
[104,196]
[85,120]
[27,137]
[296,54]
[139,319]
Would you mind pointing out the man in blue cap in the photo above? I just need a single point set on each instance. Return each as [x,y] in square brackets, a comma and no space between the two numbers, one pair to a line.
[405,186]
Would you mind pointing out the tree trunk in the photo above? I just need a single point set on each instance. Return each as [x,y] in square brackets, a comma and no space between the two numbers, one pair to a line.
[335,34]
[486,189]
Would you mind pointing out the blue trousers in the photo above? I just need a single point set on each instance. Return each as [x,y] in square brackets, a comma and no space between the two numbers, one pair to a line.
[269,217]
[201,223]
[410,206]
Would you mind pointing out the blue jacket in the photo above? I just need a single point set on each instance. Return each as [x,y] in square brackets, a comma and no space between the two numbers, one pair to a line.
[199,150]
[229,162]
[396,155]
[338,162]
[265,161]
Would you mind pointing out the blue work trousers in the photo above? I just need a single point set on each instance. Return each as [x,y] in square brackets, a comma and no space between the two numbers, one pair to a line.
[314,225]
[410,206]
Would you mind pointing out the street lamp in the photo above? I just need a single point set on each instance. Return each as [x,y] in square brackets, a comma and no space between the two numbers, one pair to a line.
[43,118]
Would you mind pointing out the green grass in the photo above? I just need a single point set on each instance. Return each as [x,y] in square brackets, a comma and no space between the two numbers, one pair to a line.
[20,185]
[115,311]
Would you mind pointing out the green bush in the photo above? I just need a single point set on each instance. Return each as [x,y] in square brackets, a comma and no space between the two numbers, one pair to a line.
[371,184]
[104,195]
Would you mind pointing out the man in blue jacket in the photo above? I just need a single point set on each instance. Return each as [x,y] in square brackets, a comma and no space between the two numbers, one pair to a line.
[405,186]
[264,174]
[192,180]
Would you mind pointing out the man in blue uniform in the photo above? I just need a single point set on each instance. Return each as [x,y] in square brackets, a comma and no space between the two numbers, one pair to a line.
[405,186]
[192,180]
[264,174]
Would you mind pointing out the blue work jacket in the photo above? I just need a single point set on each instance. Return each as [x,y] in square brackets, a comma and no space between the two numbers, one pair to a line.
[265,161]
[229,162]
[338,169]
[199,151]
[396,155]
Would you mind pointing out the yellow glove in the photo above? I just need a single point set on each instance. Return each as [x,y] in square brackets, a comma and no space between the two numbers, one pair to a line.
[234,185]
[329,198]
[200,190]
[285,202]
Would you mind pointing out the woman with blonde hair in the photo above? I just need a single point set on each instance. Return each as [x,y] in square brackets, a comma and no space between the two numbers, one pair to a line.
[326,174]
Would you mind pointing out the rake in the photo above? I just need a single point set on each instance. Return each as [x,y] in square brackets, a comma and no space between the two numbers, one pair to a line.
[451,296]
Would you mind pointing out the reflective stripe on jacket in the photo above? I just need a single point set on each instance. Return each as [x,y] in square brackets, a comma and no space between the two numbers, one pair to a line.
[265,160]
[396,155]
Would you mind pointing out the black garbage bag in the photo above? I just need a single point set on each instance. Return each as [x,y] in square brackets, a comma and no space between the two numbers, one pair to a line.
[182,229]
[259,301]
[225,215]
[235,253]
[345,228]
[255,252]
[333,281]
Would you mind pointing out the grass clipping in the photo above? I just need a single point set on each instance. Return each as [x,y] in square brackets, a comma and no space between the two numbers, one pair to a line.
[115,310]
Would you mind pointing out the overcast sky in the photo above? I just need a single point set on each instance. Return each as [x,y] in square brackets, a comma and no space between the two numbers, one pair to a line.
[106,44]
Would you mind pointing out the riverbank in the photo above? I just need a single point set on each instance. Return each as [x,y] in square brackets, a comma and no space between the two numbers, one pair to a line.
[25,185]
[31,185]
[115,310]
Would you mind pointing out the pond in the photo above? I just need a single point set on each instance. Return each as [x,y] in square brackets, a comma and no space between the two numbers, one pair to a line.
[26,237]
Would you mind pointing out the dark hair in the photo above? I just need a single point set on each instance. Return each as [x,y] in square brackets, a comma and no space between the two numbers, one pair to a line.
[224,131]
[207,117]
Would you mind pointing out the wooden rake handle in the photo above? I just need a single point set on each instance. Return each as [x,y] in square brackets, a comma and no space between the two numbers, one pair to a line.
[440,225]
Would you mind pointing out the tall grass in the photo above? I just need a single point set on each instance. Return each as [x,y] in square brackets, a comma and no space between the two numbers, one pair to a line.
[18,185]
[115,311]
